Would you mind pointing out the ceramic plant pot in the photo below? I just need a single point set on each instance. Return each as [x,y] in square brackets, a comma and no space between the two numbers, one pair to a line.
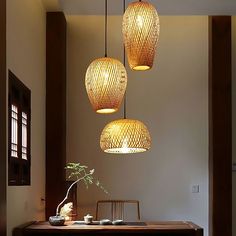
[57,220]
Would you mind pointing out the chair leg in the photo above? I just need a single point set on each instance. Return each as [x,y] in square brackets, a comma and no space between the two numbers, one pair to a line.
[112,210]
[139,218]
[96,218]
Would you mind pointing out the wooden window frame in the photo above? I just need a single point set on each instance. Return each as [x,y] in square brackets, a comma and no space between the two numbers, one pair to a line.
[19,168]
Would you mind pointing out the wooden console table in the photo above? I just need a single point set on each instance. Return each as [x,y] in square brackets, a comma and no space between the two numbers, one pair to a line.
[177,228]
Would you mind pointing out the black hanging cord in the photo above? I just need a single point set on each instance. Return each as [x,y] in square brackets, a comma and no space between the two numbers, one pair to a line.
[105,28]
[124,66]
[124,45]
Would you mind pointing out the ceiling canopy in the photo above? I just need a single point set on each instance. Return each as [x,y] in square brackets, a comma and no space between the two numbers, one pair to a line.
[165,7]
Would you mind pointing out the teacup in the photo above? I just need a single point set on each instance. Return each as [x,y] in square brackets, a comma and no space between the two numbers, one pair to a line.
[88,219]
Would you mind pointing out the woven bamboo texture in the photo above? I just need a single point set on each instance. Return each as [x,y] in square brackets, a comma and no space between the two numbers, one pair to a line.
[106,81]
[141,28]
[125,136]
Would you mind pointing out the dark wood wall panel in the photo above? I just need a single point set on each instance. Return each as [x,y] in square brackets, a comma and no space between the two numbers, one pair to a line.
[220,131]
[3,110]
[55,110]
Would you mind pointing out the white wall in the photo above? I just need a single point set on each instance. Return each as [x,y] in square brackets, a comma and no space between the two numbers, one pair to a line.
[26,27]
[234,118]
[171,99]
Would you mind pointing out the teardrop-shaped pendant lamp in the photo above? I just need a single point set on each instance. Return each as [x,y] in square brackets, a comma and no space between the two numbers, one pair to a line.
[106,81]
[125,136]
[140,27]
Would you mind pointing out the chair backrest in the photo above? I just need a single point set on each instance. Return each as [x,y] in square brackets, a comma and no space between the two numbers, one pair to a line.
[117,208]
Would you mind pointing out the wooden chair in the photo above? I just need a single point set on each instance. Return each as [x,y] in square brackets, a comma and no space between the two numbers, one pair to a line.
[117,208]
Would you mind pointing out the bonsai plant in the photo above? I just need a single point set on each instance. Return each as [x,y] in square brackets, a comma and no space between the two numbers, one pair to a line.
[79,173]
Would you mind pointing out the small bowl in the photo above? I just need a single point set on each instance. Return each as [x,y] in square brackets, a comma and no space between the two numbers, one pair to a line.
[118,222]
[105,222]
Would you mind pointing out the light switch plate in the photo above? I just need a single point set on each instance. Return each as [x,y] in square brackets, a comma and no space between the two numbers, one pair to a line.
[195,189]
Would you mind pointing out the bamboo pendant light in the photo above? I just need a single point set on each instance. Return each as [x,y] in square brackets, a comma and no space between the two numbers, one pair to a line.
[106,81]
[125,136]
[140,29]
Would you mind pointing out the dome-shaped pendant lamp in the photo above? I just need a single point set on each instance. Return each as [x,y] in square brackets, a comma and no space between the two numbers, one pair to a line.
[106,81]
[140,29]
[125,136]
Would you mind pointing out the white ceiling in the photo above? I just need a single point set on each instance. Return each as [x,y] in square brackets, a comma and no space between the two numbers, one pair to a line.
[165,7]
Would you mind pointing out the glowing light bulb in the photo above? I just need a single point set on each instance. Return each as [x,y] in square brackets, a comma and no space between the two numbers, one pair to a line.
[140,22]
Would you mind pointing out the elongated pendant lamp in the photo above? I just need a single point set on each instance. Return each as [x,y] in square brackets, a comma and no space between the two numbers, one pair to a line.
[106,81]
[125,136]
[140,27]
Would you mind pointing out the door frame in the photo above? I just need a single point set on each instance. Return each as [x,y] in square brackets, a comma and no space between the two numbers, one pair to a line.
[220,126]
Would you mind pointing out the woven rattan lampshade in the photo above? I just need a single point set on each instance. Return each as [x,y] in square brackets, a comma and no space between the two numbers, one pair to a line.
[125,136]
[106,81]
[141,29]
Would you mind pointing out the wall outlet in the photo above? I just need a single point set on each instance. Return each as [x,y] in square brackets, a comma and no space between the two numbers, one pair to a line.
[195,189]
[234,166]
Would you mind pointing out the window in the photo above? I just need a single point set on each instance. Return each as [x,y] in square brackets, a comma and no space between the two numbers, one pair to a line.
[19,109]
